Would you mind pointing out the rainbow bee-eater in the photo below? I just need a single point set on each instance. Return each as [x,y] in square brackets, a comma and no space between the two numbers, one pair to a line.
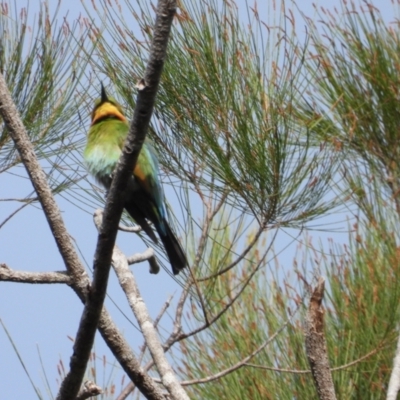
[144,195]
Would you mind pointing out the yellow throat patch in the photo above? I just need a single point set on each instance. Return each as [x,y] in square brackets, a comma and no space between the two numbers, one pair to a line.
[107,109]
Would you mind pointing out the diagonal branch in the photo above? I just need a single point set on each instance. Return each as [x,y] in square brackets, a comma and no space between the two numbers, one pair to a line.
[26,151]
[115,200]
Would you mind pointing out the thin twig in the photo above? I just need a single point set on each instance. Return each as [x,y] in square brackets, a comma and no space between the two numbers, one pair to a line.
[308,371]
[200,250]
[14,213]
[240,257]
[128,389]
[178,319]
[284,370]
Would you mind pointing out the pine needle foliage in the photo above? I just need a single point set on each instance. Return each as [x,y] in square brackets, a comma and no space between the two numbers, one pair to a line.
[43,63]
[250,116]
[224,117]
[354,94]
[361,317]
[253,128]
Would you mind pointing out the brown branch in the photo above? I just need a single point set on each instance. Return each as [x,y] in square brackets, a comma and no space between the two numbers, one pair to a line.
[147,90]
[316,349]
[26,151]
[9,275]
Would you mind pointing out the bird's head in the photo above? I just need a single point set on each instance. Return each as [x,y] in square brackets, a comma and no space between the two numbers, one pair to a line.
[106,107]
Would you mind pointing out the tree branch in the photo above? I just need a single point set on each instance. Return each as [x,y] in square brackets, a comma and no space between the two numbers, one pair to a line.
[26,151]
[123,353]
[115,200]
[131,290]
[130,387]
[146,255]
[316,345]
[155,324]
[9,275]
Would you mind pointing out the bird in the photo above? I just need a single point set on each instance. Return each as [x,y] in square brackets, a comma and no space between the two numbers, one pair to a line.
[144,195]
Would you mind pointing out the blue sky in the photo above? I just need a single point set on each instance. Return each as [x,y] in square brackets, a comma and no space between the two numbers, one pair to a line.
[41,318]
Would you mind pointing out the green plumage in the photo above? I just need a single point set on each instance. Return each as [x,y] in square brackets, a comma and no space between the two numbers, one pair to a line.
[144,199]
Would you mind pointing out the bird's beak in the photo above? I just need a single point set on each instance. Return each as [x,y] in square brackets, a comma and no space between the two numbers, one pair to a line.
[104,97]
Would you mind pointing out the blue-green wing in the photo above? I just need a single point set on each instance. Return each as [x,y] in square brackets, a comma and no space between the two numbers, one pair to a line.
[146,173]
